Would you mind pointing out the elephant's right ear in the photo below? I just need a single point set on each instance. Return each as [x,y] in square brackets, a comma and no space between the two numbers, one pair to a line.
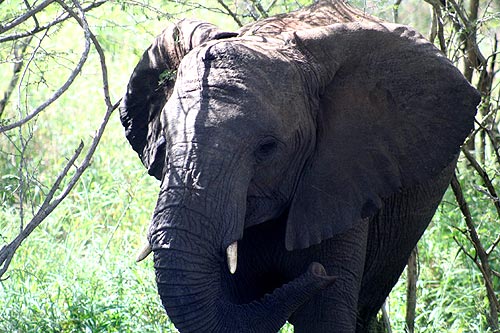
[392,114]
[151,85]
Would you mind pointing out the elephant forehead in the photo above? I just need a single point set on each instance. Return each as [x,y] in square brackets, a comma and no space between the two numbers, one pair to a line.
[254,66]
[237,84]
[233,111]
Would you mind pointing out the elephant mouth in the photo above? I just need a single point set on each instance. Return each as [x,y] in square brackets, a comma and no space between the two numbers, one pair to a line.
[261,209]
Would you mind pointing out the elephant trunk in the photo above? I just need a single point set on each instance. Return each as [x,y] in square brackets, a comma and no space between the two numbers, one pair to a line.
[189,272]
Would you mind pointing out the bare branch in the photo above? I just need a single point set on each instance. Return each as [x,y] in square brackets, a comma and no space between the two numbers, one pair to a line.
[50,203]
[22,18]
[261,9]
[462,248]
[58,92]
[411,290]
[493,246]
[38,29]
[395,10]
[271,5]
[483,263]
[485,178]
[19,52]
[8,251]
[230,13]
[486,193]
[97,45]
[437,27]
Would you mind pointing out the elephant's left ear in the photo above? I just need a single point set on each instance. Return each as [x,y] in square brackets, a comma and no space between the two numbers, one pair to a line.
[393,112]
[151,85]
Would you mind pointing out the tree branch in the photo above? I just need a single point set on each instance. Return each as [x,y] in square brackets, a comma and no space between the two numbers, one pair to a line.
[395,10]
[230,13]
[483,263]
[493,245]
[58,92]
[485,178]
[411,290]
[50,203]
[261,9]
[22,18]
[19,53]
[8,251]
[38,29]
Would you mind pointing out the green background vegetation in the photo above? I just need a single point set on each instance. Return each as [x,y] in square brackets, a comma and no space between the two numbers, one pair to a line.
[77,271]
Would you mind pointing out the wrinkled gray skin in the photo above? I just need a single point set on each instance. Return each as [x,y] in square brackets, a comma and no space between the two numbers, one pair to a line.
[322,141]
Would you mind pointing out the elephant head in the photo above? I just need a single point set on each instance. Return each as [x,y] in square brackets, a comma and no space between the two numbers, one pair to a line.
[317,120]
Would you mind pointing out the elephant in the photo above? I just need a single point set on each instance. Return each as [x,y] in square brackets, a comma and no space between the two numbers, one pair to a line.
[300,160]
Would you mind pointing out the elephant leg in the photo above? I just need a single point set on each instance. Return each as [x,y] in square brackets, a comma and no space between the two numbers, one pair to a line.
[335,309]
[392,235]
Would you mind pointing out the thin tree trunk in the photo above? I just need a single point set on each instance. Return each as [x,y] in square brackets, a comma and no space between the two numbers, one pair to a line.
[481,259]
[411,290]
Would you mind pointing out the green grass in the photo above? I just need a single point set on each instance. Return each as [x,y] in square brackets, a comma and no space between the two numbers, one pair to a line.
[77,273]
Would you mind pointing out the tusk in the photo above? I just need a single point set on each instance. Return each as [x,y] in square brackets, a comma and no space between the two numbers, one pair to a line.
[232,257]
[146,250]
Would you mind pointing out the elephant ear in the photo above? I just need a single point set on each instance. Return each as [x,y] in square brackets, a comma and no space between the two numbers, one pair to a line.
[151,85]
[393,112]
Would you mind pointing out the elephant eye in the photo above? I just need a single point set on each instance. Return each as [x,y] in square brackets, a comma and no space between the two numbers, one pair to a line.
[266,149]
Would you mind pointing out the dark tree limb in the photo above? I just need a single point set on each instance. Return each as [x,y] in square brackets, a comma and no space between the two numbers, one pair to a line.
[40,28]
[230,12]
[482,260]
[260,9]
[58,93]
[25,16]
[485,178]
[386,319]
[411,290]
[19,54]
[437,26]
[271,5]
[395,10]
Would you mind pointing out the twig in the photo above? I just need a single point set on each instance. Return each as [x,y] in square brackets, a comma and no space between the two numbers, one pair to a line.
[230,12]
[482,263]
[386,318]
[493,245]
[437,28]
[20,19]
[58,92]
[395,10]
[485,178]
[411,290]
[261,9]
[50,203]
[271,5]
[8,251]
[19,53]
[38,29]
[97,45]
[486,193]
[462,248]
[469,23]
